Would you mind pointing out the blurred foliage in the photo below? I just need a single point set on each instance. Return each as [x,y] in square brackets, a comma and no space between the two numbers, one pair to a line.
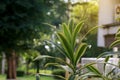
[22,24]
[93,50]
[19,22]
[87,11]
[22,21]
[57,13]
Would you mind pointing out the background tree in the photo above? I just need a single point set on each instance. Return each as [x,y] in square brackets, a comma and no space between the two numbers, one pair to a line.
[21,22]
[17,18]
[87,11]
[57,13]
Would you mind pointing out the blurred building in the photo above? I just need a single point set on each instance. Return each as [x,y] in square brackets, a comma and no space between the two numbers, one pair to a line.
[109,19]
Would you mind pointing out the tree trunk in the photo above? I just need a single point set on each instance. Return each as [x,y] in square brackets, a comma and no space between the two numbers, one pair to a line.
[37,70]
[11,63]
[3,63]
[37,66]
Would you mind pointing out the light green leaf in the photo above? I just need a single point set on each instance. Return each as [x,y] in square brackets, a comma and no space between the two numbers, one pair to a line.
[58,47]
[66,45]
[88,32]
[59,61]
[68,36]
[42,57]
[66,32]
[77,29]
[53,27]
[86,65]
[94,70]
[80,52]
[85,76]
[115,43]
[52,64]
[117,35]
[66,68]
[71,25]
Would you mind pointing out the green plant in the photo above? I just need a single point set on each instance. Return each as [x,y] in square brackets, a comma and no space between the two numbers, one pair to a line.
[73,50]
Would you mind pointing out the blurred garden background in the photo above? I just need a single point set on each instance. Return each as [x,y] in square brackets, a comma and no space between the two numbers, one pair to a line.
[25,29]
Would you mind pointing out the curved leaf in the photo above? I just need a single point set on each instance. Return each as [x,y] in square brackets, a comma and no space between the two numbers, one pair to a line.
[85,76]
[115,43]
[71,25]
[94,70]
[66,68]
[64,62]
[86,65]
[68,36]
[77,29]
[59,61]
[58,47]
[53,27]
[66,45]
[42,57]
[80,52]
[117,35]
[88,32]
[67,32]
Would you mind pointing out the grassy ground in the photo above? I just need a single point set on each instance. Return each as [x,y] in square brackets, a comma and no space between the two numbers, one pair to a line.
[3,77]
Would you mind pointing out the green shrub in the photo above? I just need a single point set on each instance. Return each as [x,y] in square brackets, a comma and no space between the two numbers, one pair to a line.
[20,73]
[57,73]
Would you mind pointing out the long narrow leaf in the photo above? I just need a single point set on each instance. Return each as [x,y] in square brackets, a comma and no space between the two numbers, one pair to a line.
[109,64]
[64,62]
[88,33]
[85,76]
[66,68]
[58,47]
[104,54]
[115,43]
[117,35]
[53,27]
[59,61]
[76,31]
[85,66]
[80,52]
[71,25]
[42,57]
[68,36]
[106,60]
[94,70]
[66,46]
[51,64]
[67,32]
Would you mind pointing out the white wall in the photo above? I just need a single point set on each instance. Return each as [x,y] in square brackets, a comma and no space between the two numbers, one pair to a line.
[106,16]
[99,63]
